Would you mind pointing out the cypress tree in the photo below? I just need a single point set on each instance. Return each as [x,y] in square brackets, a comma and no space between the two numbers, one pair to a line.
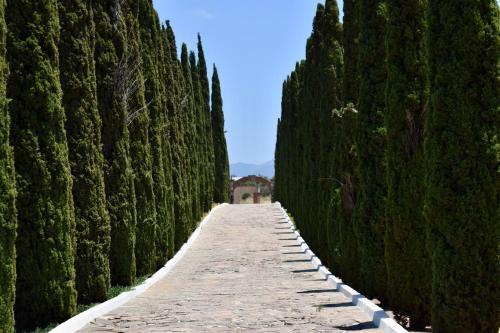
[462,158]
[45,290]
[83,127]
[185,129]
[192,135]
[310,135]
[343,243]
[278,157]
[370,145]
[331,68]
[150,42]
[408,276]
[294,138]
[140,149]
[290,149]
[8,220]
[182,208]
[198,120]
[351,45]
[120,193]
[206,127]
[165,227]
[221,185]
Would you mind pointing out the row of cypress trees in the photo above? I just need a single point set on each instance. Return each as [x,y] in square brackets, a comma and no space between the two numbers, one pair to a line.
[388,155]
[107,153]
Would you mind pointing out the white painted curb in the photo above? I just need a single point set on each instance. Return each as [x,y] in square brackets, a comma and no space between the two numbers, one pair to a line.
[377,315]
[79,321]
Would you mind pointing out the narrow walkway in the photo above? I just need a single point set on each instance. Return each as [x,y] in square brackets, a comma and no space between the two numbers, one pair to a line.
[245,273]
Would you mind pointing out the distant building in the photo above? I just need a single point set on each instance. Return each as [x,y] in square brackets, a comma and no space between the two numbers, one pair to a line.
[251,186]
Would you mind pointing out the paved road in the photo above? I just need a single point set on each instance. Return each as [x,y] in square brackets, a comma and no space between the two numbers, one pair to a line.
[245,273]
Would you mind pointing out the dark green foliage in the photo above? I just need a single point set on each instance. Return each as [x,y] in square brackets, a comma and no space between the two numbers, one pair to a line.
[330,72]
[120,195]
[46,226]
[166,217]
[150,40]
[83,127]
[288,147]
[206,129]
[176,116]
[191,137]
[351,46]
[221,184]
[344,196]
[138,121]
[7,197]
[408,276]
[370,145]
[200,165]
[345,247]
[462,157]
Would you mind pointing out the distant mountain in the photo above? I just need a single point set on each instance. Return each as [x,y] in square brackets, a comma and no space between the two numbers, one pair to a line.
[245,169]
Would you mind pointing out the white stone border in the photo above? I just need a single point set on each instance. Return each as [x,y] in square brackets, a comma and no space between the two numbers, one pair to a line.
[79,321]
[377,315]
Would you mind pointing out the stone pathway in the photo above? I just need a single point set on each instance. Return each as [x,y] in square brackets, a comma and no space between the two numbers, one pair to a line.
[245,273]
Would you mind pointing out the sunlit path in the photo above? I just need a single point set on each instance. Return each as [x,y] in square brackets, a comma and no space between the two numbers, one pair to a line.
[245,272]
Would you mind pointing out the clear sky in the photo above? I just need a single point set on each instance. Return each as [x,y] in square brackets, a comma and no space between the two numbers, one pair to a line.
[255,44]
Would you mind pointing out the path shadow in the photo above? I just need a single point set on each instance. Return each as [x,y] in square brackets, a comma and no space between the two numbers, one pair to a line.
[299,260]
[293,245]
[284,232]
[318,291]
[288,239]
[358,327]
[282,228]
[335,305]
[300,252]
[312,270]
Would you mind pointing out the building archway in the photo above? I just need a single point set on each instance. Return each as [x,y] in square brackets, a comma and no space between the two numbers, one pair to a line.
[256,187]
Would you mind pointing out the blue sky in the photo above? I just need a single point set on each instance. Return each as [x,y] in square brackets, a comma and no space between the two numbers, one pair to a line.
[255,44]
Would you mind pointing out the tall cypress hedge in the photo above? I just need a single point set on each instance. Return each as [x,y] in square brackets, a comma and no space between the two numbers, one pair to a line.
[462,156]
[8,220]
[370,146]
[110,49]
[411,156]
[83,127]
[46,224]
[108,141]
[408,275]
[138,121]
[221,184]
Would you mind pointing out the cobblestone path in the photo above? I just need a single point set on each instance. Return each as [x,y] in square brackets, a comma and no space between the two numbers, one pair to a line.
[245,273]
